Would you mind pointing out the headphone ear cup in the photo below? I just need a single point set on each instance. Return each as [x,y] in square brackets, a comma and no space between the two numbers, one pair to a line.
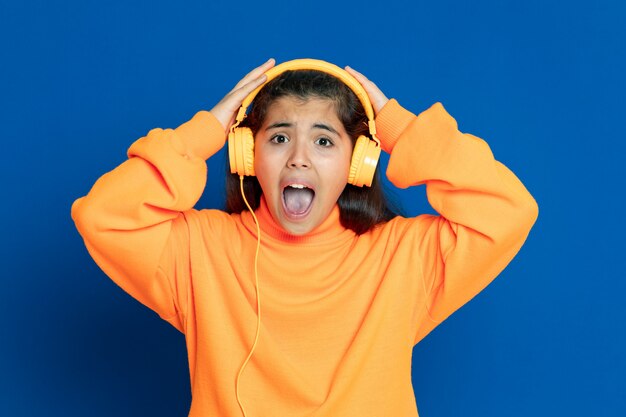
[247,151]
[231,152]
[364,160]
[241,151]
[357,158]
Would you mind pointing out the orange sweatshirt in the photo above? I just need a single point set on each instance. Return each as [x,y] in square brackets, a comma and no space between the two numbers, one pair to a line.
[340,313]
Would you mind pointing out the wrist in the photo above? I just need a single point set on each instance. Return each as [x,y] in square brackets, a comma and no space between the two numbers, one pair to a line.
[203,135]
[391,121]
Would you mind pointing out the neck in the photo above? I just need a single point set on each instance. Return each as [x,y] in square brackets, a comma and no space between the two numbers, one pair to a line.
[329,229]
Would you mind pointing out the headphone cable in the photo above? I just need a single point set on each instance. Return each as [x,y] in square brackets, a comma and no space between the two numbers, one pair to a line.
[256,277]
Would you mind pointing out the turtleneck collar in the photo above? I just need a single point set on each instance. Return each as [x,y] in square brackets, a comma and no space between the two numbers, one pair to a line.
[330,229]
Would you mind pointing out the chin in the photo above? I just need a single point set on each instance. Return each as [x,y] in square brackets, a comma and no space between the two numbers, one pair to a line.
[297,230]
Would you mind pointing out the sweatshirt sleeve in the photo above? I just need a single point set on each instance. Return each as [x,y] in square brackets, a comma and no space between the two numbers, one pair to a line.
[485,212]
[133,213]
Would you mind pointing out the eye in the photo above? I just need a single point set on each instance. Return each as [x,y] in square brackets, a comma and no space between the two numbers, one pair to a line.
[325,142]
[279,139]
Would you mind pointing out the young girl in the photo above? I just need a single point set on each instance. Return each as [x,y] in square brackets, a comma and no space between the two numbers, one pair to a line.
[321,317]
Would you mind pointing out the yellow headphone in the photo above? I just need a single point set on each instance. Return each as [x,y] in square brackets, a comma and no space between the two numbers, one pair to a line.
[366,151]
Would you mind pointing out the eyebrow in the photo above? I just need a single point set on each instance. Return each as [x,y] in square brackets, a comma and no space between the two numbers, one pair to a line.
[316,125]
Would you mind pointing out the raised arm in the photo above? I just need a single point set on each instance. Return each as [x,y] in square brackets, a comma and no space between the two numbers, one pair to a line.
[126,218]
[485,211]
[134,212]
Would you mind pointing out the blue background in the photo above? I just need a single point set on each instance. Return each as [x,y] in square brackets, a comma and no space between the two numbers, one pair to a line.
[543,84]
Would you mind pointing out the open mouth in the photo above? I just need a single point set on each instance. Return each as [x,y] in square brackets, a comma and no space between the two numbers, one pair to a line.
[297,200]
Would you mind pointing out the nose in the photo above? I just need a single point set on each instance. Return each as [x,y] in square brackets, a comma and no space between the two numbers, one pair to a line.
[299,156]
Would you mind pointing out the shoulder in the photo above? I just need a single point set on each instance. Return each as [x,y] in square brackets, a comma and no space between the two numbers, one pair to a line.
[401,225]
[209,221]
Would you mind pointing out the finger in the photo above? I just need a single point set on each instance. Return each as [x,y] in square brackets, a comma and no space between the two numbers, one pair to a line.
[376,96]
[242,92]
[360,77]
[233,100]
[356,73]
[255,73]
[352,70]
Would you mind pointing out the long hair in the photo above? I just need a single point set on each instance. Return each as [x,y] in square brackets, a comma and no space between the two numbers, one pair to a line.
[361,208]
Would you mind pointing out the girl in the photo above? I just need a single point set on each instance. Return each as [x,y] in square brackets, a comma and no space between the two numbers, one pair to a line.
[348,288]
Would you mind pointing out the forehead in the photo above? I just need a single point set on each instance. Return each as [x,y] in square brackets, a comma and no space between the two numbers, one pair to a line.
[311,109]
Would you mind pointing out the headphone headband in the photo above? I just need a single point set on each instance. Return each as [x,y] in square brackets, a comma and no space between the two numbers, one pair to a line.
[318,65]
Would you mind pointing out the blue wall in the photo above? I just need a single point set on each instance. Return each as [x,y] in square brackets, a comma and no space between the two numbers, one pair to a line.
[542,84]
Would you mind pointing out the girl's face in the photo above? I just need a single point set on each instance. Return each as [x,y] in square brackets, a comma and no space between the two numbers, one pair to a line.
[302,156]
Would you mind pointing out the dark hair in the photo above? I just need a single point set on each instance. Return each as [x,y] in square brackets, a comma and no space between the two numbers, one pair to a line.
[361,208]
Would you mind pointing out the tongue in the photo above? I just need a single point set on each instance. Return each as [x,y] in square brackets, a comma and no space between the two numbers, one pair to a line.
[297,200]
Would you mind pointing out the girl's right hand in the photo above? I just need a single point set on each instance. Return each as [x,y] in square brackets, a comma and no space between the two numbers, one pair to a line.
[226,110]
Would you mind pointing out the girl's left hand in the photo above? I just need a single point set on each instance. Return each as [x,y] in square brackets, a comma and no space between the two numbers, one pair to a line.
[377,98]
